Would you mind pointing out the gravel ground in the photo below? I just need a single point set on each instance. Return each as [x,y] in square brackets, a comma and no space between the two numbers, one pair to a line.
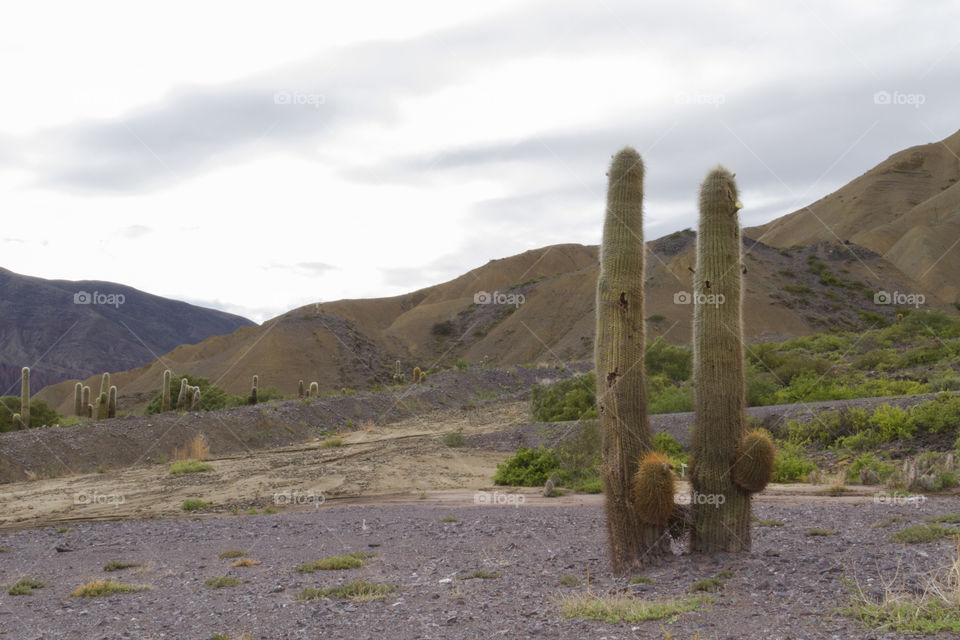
[788,587]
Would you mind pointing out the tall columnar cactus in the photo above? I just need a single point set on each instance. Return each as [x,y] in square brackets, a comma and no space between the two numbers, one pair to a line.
[78,400]
[90,410]
[85,400]
[165,397]
[182,399]
[25,396]
[195,402]
[619,353]
[721,519]
[112,403]
[105,384]
[301,392]
[254,391]
[398,377]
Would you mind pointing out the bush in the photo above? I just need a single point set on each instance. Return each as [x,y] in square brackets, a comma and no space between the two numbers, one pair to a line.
[212,397]
[882,468]
[941,415]
[664,397]
[40,413]
[789,465]
[528,468]
[664,358]
[571,399]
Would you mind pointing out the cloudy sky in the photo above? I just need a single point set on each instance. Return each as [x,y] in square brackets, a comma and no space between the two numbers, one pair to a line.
[257,157]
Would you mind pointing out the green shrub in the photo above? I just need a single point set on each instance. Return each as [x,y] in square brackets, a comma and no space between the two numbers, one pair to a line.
[664,358]
[868,461]
[941,415]
[528,468]
[212,397]
[664,397]
[571,399]
[789,465]
[40,413]
[194,505]
[455,439]
[190,466]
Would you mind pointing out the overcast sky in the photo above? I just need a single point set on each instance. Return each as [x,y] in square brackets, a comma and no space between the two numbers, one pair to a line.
[255,158]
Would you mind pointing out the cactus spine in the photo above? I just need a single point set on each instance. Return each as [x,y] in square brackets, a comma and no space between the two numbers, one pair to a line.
[165,401]
[195,402]
[253,390]
[78,399]
[182,396]
[314,389]
[25,396]
[301,393]
[720,524]
[619,354]
[112,403]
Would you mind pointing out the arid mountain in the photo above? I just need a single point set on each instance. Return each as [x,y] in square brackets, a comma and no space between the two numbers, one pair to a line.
[107,327]
[907,209]
[885,231]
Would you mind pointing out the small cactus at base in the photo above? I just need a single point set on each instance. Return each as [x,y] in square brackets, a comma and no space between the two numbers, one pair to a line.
[549,488]
[754,465]
[17,422]
[112,403]
[653,489]
[165,397]
[25,396]
[195,402]
[182,398]
[78,400]
[90,410]
[301,393]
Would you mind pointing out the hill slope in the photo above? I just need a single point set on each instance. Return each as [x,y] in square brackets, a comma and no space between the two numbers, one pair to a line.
[906,209]
[885,229]
[45,329]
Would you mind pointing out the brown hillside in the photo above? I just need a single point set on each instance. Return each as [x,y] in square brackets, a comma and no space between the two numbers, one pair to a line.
[906,209]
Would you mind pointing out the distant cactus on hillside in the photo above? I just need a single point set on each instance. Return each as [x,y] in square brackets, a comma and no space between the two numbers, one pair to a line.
[398,376]
[195,403]
[165,399]
[182,399]
[25,396]
[102,406]
[112,403]
[301,392]
[17,422]
[78,400]
[314,389]
[85,400]
[254,391]
[104,384]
